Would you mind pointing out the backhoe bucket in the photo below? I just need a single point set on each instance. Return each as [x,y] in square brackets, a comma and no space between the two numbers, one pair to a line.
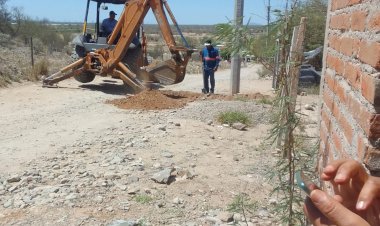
[167,72]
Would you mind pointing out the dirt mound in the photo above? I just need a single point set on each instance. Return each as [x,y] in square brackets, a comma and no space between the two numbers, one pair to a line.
[156,100]
[167,99]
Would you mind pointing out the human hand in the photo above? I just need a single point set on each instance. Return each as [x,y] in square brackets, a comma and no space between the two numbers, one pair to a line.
[354,190]
[215,68]
[322,210]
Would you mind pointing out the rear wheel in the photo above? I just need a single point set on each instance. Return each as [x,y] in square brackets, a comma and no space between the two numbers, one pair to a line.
[133,59]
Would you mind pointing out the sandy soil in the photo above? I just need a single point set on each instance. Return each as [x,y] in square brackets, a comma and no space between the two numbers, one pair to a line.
[68,157]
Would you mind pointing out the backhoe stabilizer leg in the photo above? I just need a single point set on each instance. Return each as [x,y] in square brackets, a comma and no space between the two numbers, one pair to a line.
[135,85]
[62,74]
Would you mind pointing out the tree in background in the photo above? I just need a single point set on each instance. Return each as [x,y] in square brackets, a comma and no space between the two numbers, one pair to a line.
[5,19]
[316,13]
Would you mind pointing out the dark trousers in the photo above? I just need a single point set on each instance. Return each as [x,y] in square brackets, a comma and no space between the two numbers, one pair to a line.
[208,74]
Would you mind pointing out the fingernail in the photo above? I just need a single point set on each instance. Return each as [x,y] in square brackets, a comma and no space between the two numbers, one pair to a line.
[360,205]
[339,177]
[318,197]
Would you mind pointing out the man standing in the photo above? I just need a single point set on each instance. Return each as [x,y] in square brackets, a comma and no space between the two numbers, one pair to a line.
[109,24]
[210,60]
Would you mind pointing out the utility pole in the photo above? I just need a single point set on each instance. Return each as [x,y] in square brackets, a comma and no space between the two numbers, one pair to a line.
[236,59]
[268,17]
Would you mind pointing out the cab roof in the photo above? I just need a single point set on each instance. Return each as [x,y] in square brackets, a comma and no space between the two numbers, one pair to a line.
[111,1]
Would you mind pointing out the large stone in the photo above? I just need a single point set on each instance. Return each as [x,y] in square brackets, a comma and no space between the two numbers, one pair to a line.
[239,126]
[163,177]
[226,216]
[13,179]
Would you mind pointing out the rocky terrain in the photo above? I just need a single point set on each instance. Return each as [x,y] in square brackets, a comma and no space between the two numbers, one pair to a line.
[70,156]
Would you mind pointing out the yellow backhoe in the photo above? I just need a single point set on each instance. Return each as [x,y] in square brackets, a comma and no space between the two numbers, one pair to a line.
[123,53]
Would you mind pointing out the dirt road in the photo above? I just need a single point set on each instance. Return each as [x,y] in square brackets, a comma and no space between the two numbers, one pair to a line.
[35,121]
[68,158]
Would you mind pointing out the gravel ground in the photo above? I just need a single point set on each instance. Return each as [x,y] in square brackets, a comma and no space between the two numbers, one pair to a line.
[69,158]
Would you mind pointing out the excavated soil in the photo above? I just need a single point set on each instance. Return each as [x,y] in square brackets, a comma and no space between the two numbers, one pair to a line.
[168,99]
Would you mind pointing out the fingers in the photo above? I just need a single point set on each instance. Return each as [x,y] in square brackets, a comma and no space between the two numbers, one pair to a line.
[342,171]
[333,210]
[369,192]
[314,215]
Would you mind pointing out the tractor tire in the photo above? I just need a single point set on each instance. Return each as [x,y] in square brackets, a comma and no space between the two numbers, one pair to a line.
[85,77]
[80,51]
[133,59]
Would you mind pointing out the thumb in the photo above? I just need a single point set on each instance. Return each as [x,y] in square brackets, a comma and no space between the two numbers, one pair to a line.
[335,211]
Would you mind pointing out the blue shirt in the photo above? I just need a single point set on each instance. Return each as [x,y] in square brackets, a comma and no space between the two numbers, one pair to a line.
[210,58]
[107,26]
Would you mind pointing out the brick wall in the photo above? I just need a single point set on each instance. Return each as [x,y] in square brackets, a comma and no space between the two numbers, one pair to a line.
[350,112]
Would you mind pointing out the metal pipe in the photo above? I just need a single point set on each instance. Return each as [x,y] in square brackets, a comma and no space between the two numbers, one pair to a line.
[175,22]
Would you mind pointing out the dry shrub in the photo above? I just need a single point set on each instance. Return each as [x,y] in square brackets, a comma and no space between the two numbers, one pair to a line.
[39,69]
[264,72]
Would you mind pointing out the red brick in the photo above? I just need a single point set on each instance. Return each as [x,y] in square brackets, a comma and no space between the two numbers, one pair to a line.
[328,100]
[346,127]
[337,142]
[358,20]
[341,92]
[374,21]
[346,46]
[323,133]
[362,146]
[353,75]
[360,113]
[329,61]
[335,63]
[355,47]
[339,66]
[336,110]
[340,4]
[354,2]
[326,120]
[370,87]
[340,22]
[334,42]
[369,53]
[329,80]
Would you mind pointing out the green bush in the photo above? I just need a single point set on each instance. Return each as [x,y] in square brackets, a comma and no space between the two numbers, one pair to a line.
[231,117]
[143,199]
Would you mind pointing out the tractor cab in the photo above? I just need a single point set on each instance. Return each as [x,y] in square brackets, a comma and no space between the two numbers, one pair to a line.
[92,37]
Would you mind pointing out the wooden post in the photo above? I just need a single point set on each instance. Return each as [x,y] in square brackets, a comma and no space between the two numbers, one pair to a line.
[296,57]
[292,70]
[31,51]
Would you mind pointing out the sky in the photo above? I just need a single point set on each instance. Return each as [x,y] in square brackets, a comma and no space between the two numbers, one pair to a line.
[187,12]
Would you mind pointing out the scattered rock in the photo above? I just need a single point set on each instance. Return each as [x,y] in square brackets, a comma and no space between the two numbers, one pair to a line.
[177,201]
[163,177]
[162,128]
[185,174]
[239,126]
[226,216]
[309,107]
[124,223]
[13,179]
[167,154]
